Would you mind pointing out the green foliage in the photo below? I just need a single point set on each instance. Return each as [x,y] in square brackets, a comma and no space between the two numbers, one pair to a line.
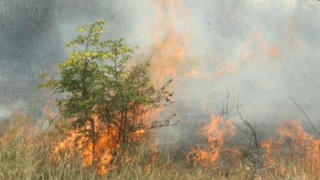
[96,76]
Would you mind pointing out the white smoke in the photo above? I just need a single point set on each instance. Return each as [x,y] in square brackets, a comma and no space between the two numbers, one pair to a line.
[266,51]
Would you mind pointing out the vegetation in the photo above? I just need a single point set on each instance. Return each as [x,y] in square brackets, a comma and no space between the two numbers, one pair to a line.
[25,153]
[98,80]
[32,43]
[103,98]
[101,93]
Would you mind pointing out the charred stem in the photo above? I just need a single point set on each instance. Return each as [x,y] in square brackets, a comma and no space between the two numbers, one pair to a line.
[307,117]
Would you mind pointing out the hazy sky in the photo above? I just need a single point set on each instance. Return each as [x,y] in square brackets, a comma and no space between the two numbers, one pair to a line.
[262,52]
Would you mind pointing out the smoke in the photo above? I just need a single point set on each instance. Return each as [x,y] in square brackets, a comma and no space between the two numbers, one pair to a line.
[260,53]
[4,112]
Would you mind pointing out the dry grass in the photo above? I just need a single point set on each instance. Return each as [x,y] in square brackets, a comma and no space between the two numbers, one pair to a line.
[26,151]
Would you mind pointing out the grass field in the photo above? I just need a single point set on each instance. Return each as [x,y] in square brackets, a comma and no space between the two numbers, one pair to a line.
[26,152]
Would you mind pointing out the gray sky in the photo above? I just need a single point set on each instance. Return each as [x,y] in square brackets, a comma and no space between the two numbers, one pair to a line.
[262,52]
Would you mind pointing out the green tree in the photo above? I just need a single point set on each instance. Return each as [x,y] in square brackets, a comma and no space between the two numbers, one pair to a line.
[95,79]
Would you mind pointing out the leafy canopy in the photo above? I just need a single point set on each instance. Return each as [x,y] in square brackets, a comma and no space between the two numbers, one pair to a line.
[96,75]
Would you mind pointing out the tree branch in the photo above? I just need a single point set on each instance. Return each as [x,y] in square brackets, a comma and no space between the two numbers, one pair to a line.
[306,116]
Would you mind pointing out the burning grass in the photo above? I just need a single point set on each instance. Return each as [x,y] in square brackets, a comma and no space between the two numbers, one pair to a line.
[101,155]
[295,151]
[217,132]
[27,152]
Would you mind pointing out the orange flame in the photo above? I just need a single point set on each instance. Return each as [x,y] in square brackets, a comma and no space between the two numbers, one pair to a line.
[169,46]
[255,48]
[22,129]
[99,155]
[217,131]
[294,145]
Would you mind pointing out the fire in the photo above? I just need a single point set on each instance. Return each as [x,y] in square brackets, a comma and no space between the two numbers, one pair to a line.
[295,146]
[23,131]
[169,46]
[272,51]
[100,154]
[169,49]
[194,73]
[253,50]
[217,132]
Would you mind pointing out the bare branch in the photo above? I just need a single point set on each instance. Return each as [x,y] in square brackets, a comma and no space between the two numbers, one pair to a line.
[254,134]
[306,116]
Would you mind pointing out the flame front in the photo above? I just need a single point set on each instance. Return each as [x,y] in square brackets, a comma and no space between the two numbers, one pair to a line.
[296,147]
[217,132]
[169,46]
[100,154]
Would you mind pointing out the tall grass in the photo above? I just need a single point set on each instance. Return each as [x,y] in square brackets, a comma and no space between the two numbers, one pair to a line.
[26,153]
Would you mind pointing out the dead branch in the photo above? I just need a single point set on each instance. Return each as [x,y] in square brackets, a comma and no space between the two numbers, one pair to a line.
[254,134]
[307,117]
